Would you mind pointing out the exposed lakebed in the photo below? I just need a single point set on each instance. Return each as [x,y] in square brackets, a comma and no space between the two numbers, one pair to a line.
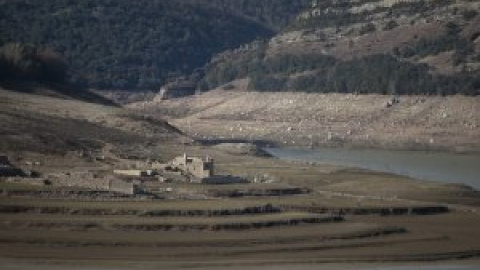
[429,166]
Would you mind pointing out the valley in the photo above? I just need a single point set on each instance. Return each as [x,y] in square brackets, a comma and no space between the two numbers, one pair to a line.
[298,211]
[219,134]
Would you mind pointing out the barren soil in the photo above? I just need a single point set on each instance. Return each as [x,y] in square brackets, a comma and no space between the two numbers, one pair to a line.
[171,234]
[449,123]
[342,215]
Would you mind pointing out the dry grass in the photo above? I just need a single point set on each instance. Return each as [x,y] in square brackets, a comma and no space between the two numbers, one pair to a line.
[96,239]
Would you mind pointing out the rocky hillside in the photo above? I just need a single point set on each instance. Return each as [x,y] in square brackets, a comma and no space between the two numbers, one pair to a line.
[46,121]
[368,46]
[316,120]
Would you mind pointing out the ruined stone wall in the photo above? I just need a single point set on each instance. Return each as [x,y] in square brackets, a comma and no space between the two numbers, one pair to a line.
[195,166]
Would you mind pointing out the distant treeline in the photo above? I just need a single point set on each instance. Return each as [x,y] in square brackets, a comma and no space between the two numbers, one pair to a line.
[451,40]
[381,74]
[123,44]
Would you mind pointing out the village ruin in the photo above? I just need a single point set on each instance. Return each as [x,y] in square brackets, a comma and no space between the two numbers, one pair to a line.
[184,169]
[145,178]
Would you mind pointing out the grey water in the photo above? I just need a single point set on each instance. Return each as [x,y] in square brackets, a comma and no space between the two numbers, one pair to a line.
[428,166]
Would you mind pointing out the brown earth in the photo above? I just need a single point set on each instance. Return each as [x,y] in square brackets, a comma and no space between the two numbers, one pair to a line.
[376,224]
[87,232]
[42,123]
[298,119]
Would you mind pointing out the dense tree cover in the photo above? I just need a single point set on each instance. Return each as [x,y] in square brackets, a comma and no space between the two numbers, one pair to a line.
[139,44]
[276,14]
[451,40]
[394,73]
[382,74]
[20,62]
[255,63]
[385,74]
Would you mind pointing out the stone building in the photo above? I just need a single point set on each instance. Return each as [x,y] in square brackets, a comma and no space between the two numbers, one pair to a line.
[197,167]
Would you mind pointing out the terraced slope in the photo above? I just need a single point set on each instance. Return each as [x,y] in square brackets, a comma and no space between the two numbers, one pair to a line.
[338,220]
[201,239]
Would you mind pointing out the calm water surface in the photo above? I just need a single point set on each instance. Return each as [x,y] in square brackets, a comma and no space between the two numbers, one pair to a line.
[430,166]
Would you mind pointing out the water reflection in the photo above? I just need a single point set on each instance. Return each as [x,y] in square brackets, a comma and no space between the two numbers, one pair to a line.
[431,166]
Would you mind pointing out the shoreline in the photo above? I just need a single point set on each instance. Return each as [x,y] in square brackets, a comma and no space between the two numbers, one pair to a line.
[438,167]
[260,143]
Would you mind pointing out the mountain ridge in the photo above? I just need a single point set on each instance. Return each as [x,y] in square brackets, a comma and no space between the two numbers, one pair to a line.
[139,45]
[433,46]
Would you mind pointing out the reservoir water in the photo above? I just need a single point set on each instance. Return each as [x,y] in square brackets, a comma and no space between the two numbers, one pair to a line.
[429,166]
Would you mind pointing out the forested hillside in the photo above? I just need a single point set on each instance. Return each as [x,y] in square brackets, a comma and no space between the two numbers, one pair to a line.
[379,46]
[368,46]
[121,44]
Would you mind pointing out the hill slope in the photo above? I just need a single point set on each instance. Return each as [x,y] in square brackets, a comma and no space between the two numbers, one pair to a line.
[386,47]
[50,123]
[316,120]
[140,44]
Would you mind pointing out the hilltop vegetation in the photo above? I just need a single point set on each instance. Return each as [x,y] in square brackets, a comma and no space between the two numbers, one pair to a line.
[418,47]
[410,47]
[120,44]
[331,13]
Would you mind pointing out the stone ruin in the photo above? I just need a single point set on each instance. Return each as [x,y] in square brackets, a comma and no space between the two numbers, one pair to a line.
[197,167]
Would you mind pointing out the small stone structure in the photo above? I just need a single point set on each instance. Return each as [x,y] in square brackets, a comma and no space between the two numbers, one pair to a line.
[197,167]
[120,186]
